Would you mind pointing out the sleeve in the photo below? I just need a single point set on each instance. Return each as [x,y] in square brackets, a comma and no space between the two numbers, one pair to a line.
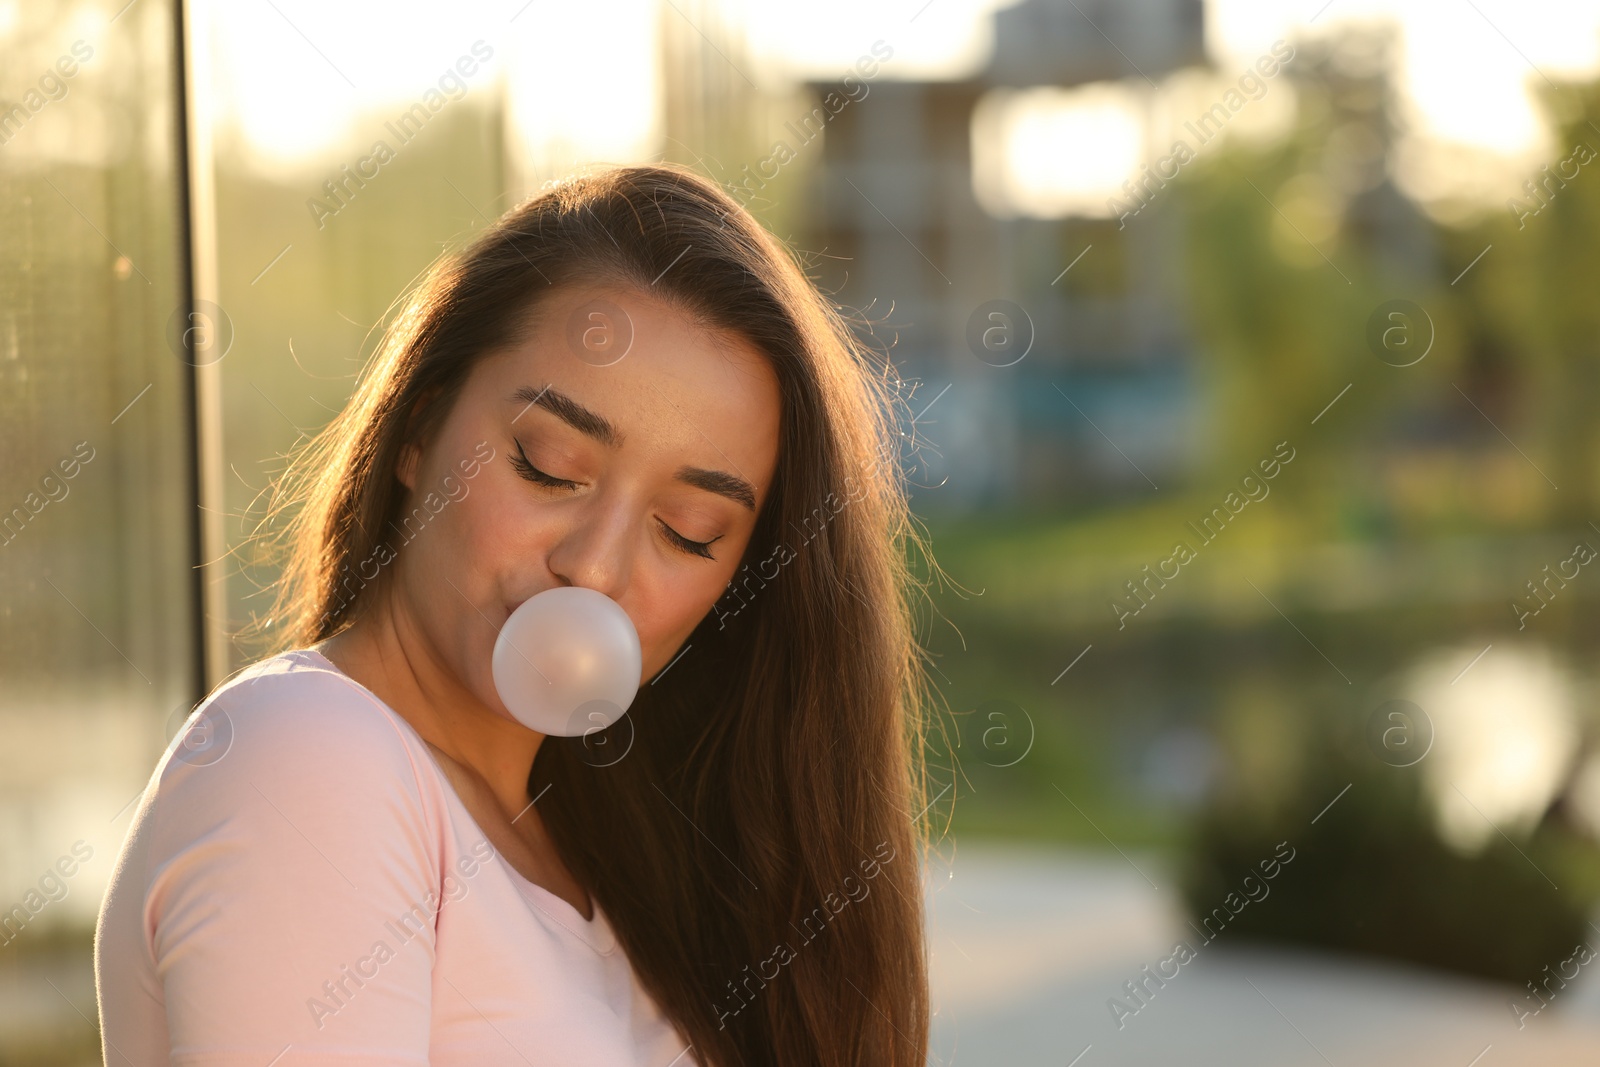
[294,882]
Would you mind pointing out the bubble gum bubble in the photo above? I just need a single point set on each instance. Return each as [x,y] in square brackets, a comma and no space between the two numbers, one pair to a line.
[563,654]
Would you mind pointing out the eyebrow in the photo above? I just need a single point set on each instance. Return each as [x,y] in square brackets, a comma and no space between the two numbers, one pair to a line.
[601,429]
[568,411]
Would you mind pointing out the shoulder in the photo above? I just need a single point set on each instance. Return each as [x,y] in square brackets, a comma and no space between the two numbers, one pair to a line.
[292,779]
[294,712]
[291,820]
[291,735]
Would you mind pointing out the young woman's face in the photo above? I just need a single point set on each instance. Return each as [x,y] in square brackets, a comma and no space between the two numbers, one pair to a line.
[640,476]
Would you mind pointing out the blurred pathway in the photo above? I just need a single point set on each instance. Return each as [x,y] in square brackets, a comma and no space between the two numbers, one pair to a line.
[1029,945]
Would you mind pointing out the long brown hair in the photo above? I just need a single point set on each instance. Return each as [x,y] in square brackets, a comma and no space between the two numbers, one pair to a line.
[758,849]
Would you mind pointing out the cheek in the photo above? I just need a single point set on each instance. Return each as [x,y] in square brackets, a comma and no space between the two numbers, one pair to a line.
[487,519]
[463,545]
[461,573]
[666,611]
[499,535]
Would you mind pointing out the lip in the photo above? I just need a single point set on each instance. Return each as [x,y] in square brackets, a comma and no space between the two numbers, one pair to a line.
[513,605]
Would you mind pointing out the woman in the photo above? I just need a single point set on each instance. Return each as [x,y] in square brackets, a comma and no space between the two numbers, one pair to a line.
[356,855]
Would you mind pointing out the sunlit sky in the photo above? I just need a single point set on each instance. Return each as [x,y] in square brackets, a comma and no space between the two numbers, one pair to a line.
[309,80]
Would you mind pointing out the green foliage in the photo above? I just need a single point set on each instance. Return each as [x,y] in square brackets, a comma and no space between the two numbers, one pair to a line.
[1279,309]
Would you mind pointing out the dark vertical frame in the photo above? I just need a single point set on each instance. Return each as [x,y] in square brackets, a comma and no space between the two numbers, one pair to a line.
[196,257]
[186,295]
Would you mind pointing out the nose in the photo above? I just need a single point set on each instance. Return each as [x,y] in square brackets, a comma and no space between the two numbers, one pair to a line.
[594,549]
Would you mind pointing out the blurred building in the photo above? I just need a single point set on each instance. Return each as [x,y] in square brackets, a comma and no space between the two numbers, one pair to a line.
[905,239]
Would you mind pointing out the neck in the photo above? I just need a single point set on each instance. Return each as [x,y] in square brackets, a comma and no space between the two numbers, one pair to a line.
[393,658]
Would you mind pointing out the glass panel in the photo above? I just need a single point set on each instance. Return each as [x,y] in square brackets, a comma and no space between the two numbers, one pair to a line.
[96,620]
[319,229]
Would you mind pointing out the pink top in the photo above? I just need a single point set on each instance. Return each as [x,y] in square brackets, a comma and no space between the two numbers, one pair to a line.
[302,885]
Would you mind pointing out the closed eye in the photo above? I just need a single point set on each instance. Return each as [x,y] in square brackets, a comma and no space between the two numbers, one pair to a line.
[697,548]
[526,469]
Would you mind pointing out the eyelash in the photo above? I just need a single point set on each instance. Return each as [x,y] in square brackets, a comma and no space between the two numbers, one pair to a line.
[521,464]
